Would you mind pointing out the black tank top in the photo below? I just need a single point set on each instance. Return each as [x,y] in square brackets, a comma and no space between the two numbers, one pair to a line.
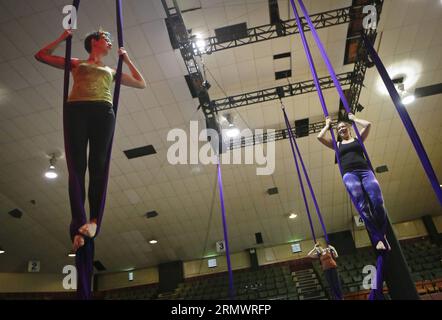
[352,157]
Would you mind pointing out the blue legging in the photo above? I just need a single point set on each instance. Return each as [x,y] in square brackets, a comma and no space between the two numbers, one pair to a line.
[365,189]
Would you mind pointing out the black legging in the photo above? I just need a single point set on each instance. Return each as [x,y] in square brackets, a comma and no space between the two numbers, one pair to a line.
[334,283]
[86,123]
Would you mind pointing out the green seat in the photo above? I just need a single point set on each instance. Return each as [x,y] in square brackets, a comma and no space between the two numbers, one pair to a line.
[349,266]
[271,286]
[292,290]
[292,296]
[416,277]
[427,275]
[427,266]
[416,267]
[437,274]
[252,296]
[272,293]
[354,273]
[353,289]
[282,291]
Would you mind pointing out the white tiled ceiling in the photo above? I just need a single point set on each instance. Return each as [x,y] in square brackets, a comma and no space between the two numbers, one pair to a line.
[189,221]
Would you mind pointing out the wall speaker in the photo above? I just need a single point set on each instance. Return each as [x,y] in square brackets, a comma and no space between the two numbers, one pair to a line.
[258,237]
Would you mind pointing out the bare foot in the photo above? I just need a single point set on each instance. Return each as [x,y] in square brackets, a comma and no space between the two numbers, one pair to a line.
[77,243]
[88,230]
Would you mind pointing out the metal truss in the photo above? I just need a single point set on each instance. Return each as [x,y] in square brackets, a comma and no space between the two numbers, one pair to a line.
[189,50]
[181,38]
[293,89]
[361,64]
[356,85]
[280,134]
[285,28]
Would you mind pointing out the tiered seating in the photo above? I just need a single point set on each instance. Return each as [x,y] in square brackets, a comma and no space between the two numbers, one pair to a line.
[350,273]
[308,285]
[350,270]
[134,293]
[38,296]
[276,282]
[267,283]
[424,262]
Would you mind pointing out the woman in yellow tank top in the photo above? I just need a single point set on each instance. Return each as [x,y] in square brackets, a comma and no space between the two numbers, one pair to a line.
[90,120]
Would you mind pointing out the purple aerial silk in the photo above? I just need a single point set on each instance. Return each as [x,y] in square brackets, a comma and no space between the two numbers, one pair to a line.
[333,280]
[405,117]
[294,145]
[85,255]
[226,239]
[330,70]
[376,293]
[324,107]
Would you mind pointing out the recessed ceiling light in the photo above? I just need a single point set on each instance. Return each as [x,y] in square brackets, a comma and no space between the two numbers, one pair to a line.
[293,216]
[153,241]
[50,174]
[1,250]
[408,99]
[232,132]
[409,70]
[71,255]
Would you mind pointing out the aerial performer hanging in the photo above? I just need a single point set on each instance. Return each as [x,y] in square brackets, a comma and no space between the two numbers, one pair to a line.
[352,158]
[89,114]
[327,257]
[359,179]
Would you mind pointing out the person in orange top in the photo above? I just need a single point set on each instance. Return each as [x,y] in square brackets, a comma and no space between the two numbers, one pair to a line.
[327,258]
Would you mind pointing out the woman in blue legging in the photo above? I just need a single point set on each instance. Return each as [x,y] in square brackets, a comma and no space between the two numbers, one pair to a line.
[359,179]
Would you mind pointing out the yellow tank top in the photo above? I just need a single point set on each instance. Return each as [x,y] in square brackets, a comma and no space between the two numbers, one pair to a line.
[91,83]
